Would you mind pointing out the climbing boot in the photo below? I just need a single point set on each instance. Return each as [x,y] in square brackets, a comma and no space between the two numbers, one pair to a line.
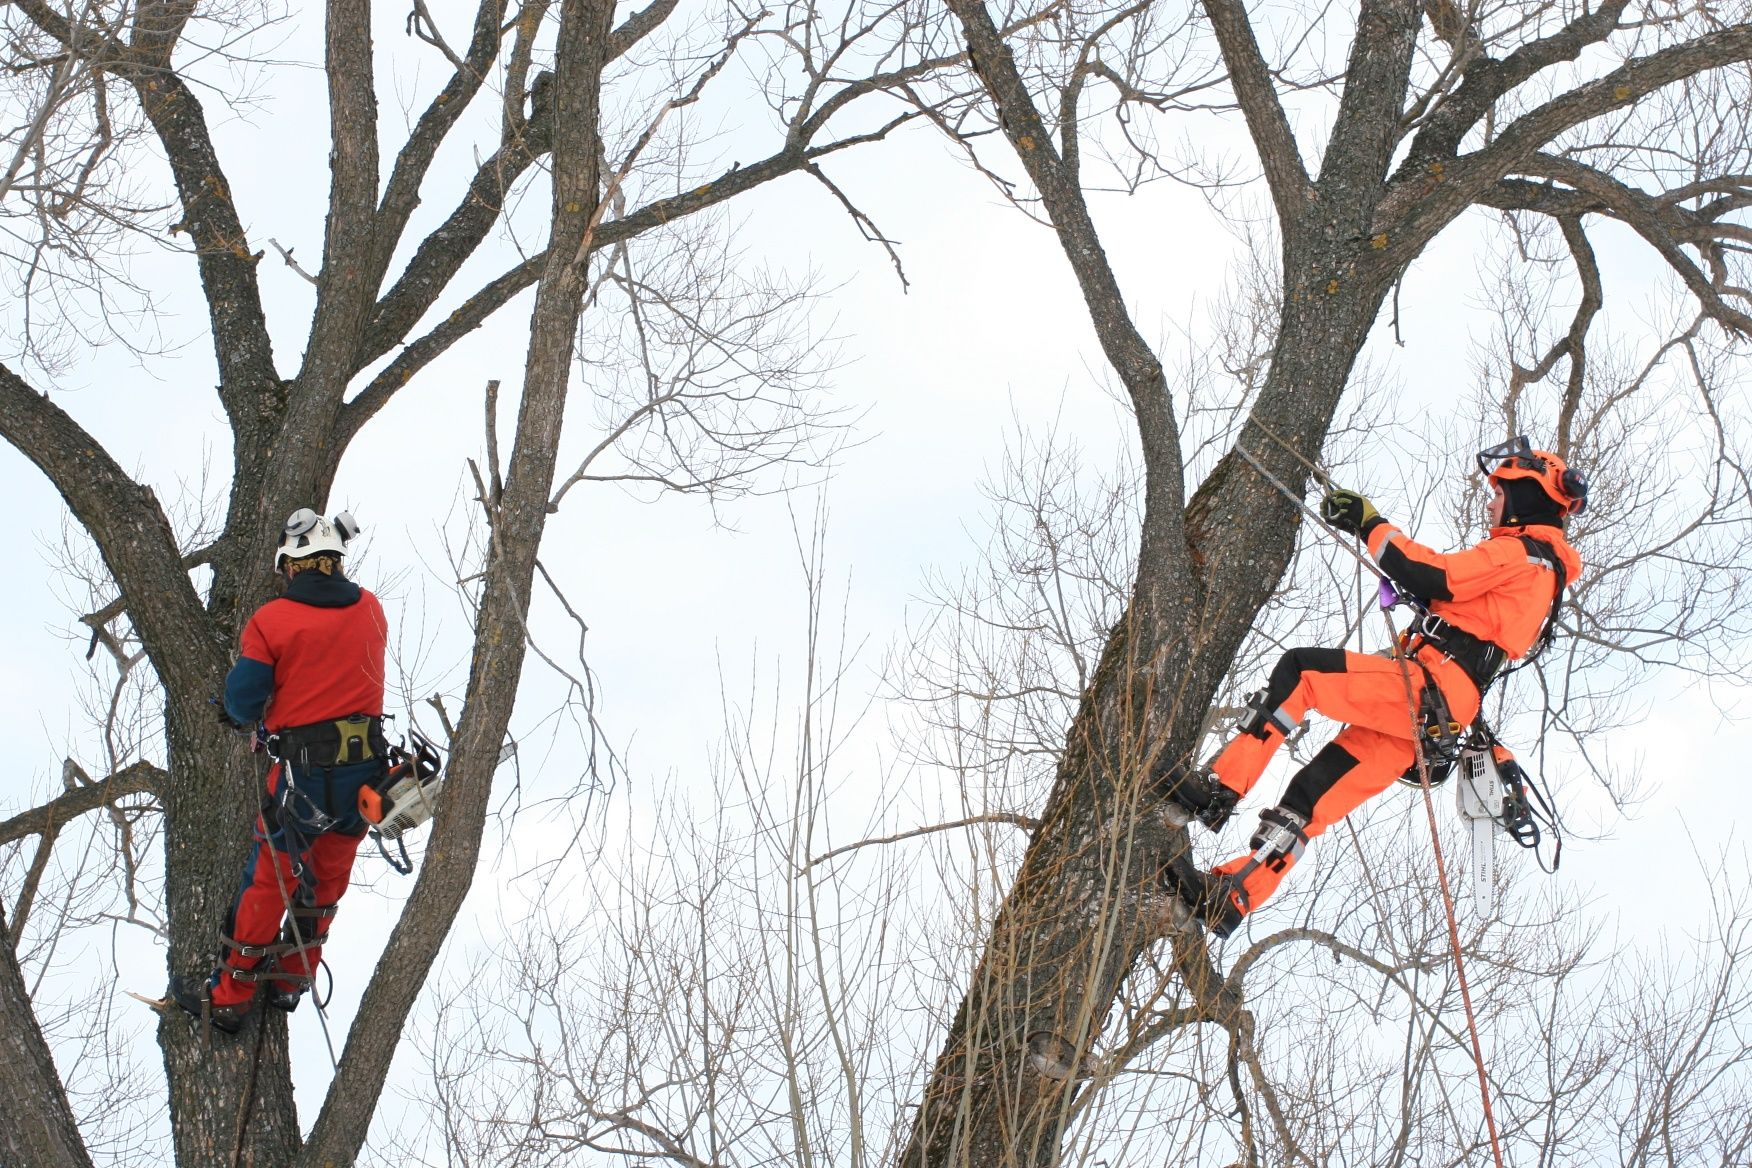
[1202,898]
[284,1000]
[1190,793]
[197,998]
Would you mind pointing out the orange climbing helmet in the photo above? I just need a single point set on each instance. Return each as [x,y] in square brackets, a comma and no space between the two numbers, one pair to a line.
[1516,459]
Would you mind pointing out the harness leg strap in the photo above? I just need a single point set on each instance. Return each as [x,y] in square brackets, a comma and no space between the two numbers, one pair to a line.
[308,926]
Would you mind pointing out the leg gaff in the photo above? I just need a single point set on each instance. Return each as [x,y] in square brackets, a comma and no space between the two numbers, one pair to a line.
[1277,844]
[1262,715]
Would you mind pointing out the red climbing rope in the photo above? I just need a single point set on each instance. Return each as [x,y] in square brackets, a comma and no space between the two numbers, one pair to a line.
[1423,777]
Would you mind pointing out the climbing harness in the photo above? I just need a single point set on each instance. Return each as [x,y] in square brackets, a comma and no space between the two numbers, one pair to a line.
[346,741]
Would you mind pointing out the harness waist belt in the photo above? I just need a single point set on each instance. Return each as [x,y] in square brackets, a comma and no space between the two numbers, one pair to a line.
[344,741]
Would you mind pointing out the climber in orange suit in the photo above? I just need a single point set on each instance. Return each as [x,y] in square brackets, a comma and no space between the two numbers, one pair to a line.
[1481,607]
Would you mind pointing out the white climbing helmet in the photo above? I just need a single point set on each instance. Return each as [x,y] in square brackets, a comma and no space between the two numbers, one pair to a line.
[307,534]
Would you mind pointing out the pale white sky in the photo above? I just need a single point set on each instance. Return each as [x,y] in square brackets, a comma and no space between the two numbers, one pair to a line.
[991,335]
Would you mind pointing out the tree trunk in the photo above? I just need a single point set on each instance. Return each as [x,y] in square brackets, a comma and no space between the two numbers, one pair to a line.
[1085,904]
[36,1125]
[223,1088]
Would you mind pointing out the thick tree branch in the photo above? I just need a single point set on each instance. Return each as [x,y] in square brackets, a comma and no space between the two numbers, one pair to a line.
[1163,555]
[1659,219]
[248,383]
[36,1125]
[69,805]
[638,26]
[581,54]
[346,286]
[158,26]
[442,253]
[1279,156]
[131,532]
[1486,80]
[1467,179]
[402,193]
[473,312]
[1366,129]
[1661,222]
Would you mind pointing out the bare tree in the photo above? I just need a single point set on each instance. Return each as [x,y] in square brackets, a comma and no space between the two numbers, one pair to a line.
[744,984]
[1423,113]
[554,96]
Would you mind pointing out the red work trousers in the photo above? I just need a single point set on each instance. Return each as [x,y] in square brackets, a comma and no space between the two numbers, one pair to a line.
[294,864]
[1375,747]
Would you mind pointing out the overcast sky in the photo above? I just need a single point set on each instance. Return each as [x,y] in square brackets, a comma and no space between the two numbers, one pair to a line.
[683,602]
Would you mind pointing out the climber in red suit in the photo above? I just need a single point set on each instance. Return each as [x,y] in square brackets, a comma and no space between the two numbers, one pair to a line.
[311,672]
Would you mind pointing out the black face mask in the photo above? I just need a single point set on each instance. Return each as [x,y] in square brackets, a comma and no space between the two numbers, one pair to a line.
[1524,502]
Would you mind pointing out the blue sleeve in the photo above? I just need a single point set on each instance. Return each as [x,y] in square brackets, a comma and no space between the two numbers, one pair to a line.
[248,687]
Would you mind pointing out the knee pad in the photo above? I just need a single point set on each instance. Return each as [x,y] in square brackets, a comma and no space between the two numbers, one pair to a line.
[1279,840]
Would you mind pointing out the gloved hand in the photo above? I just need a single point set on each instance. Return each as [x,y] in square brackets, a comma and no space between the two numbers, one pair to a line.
[1348,511]
[223,715]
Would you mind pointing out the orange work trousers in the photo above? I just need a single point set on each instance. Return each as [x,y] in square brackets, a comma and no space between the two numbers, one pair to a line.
[1376,746]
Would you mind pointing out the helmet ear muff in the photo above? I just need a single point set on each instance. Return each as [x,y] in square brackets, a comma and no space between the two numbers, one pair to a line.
[307,534]
[1575,489]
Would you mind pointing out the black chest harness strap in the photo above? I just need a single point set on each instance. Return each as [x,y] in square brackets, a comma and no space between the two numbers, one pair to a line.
[1482,660]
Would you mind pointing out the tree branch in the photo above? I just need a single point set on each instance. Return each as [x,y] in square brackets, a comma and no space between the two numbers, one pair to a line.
[1026,823]
[402,193]
[68,806]
[1367,128]
[241,344]
[1659,219]
[36,1125]
[638,26]
[1471,176]
[131,532]
[1275,142]
[1163,554]
[1486,80]
[475,311]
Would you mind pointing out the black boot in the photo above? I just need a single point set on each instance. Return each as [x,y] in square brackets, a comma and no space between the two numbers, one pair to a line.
[197,998]
[1194,793]
[1202,898]
[284,1000]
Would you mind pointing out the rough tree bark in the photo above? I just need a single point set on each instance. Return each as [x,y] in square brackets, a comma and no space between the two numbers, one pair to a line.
[232,1100]
[1083,907]
[39,1127]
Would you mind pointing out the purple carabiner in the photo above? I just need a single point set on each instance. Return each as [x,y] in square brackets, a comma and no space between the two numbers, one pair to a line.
[1386,594]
